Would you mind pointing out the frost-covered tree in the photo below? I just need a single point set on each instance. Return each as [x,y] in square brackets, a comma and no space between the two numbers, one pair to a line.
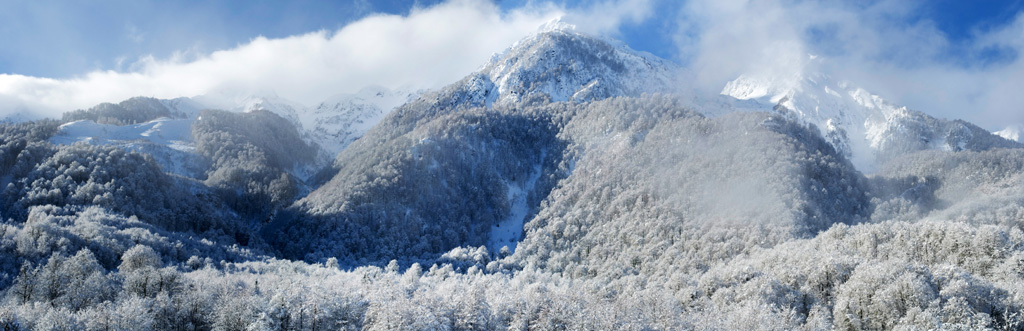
[252,156]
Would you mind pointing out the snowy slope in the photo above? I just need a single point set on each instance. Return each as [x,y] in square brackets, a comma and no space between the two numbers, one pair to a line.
[343,118]
[163,131]
[859,124]
[566,65]
[1011,133]
[333,124]
[183,105]
[168,141]
[247,101]
[852,119]
[509,230]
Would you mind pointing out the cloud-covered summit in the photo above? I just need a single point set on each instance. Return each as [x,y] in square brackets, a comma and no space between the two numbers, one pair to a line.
[893,48]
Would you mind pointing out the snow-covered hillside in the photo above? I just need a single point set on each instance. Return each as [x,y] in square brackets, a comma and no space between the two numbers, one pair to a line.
[553,188]
[163,131]
[343,118]
[248,101]
[168,141]
[852,119]
[183,105]
[333,123]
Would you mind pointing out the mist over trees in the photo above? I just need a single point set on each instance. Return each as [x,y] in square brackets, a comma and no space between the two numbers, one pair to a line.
[252,155]
[913,131]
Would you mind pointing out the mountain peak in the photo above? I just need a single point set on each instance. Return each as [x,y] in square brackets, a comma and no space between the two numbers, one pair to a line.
[1011,133]
[864,126]
[556,25]
[567,65]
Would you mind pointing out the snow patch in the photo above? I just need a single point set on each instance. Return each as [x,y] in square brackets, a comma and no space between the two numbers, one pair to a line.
[341,119]
[860,120]
[509,230]
[161,131]
[1011,132]
[168,141]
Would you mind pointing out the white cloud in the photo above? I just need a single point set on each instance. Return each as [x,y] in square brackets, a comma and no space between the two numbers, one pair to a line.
[428,48]
[877,45]
[605,17]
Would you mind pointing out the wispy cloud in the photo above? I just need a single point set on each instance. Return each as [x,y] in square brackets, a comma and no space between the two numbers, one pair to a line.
[133,34]
[885,46]
[605,17]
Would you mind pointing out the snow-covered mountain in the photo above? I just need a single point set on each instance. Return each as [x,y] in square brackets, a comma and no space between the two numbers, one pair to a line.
[837,109]
[183,105]
[560,63]
[248,101]
[343,118]
[1011,133]
[333,124]
[863,126]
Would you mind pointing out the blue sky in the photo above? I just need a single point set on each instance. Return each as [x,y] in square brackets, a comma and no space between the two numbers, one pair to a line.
[60,39]
[60,55]
[66,38]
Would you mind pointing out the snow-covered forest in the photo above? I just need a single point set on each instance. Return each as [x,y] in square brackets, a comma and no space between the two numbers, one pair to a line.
[563,186]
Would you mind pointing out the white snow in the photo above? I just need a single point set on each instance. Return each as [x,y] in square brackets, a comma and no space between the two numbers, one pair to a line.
[1011,132]
[248,101]
[161,131]
[333,124]
[509,230]
[815,98]
[343,118]
[168,141]
[186,106]
[550,62]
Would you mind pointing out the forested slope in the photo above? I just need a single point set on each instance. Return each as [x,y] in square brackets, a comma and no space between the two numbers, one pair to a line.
[660,189]
[254,159]
[425,191]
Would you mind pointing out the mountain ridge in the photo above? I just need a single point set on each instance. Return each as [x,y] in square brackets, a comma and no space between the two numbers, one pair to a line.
[862,125]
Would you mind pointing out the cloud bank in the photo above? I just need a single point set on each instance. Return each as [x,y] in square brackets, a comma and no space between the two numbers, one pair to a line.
[428,48]
[886,46]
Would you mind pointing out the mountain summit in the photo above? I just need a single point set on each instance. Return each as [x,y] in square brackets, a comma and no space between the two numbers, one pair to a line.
[562,64]
[863,126]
